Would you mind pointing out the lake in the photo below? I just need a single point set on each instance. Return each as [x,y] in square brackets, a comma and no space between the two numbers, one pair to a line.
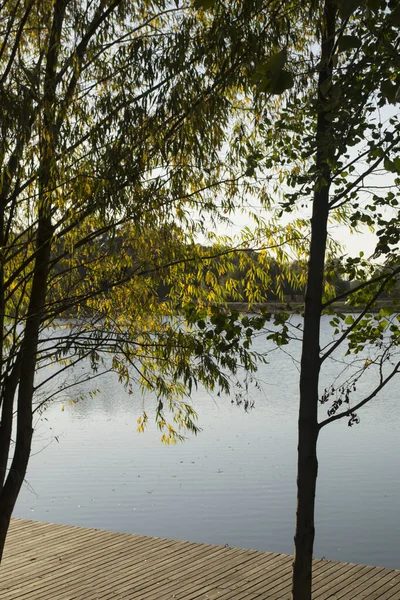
[232,484]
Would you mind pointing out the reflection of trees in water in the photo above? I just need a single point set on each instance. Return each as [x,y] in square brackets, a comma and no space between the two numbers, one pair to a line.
[75,391]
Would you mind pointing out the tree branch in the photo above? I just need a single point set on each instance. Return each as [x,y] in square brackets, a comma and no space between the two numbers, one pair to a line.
[348,412]
[359,318]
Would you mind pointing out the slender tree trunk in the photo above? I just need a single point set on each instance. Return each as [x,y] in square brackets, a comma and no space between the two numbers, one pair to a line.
[307,468]
[9,387]
[9,492]
[28,356]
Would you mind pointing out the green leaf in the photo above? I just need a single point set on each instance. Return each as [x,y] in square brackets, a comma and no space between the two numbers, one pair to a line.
[348,7]
[389,165]
[374,5]
[336,92]
[395,16]
[277,85]
[348,42]
[396,163]
[325,87]
[386,311]
[204,4]
[388,90]
[349,320]
[249,172]
[276,62]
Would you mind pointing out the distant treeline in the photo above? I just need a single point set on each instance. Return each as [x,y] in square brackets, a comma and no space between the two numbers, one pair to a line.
[277,282]
[284,281]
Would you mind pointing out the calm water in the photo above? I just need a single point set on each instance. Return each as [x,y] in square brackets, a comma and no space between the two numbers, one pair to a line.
[232,484]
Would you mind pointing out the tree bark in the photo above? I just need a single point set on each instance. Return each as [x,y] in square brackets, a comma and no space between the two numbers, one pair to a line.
[307,468]
[36,309]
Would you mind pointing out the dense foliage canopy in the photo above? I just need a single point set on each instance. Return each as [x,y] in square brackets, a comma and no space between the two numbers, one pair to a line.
[132,132]
[114,159]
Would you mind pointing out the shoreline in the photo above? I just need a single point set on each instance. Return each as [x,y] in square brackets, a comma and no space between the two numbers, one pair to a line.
[298,307]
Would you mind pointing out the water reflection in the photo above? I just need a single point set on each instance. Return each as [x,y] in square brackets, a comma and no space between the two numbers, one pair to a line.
[234,483]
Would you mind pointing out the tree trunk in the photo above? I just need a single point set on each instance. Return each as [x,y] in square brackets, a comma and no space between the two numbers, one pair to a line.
[310,361]
[15,477]
[27,357]
[307,466]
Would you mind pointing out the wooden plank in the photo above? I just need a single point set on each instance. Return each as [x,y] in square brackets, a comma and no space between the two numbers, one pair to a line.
[164,575]
[45,536]
[56,562]
[202,577]
[97,558]
[245,572]
[268,578]
[282,591]
[391,594]
[359,580]
[98,567]
[381,588]
[146,575]
[203,573]
[86,549]
[340,577]
[80,544]
[39,546]
[73,573]
[124,579]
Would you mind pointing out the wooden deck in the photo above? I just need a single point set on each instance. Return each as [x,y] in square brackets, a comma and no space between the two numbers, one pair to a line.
[57,562]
